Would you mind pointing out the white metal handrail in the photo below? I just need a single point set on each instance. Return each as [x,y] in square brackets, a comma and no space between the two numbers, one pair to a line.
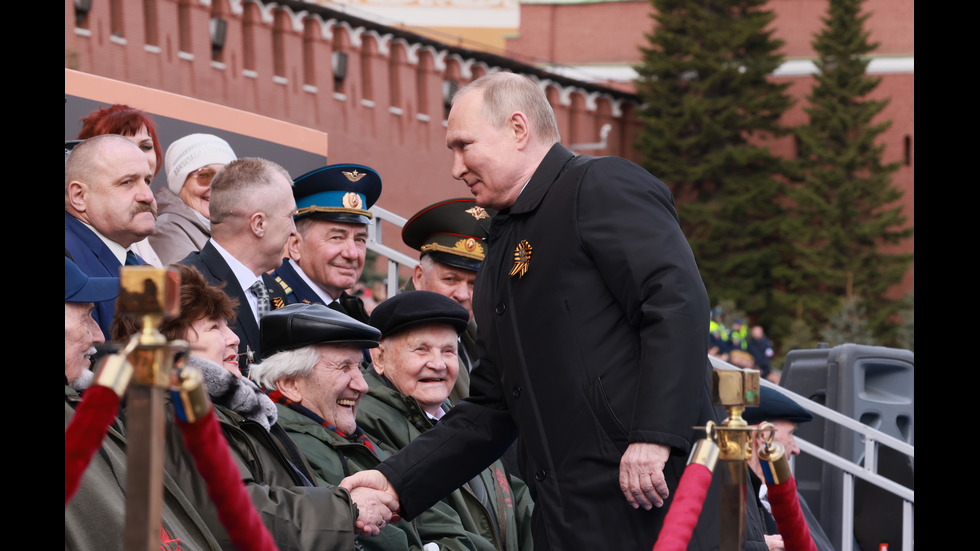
[395,258]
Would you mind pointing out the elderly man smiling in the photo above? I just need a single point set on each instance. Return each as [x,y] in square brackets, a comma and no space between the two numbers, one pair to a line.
[415,368]
[312,369]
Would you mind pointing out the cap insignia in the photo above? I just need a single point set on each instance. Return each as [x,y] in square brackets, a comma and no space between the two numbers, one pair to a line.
[522,257]
[351,199]
[478,212]
[353,176]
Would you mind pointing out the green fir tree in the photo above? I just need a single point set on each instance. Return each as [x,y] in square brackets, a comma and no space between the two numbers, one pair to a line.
[846,209]
[710,108]
[849,324]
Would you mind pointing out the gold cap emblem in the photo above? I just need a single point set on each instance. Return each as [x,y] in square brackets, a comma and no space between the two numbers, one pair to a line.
[352,200]
[478,212]
[522,257]
[354,175]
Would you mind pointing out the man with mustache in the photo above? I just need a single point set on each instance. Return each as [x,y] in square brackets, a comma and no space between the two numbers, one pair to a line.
[326,256]
[108,207]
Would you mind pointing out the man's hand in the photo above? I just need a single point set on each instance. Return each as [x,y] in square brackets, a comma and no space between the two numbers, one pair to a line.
[374,509]
[375,489]
[641,474]
[775,543]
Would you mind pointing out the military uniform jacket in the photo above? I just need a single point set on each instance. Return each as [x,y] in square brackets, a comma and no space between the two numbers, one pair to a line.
[216,271]
[295,289]
[333,458]
[395,420]
[592,319]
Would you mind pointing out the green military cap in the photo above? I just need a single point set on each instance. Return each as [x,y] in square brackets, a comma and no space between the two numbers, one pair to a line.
[454,232]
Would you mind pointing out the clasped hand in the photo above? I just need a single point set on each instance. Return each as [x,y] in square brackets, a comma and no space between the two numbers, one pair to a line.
[376,501]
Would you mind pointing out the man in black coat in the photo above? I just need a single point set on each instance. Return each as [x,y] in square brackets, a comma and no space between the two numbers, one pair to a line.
[592,318]
[252,209]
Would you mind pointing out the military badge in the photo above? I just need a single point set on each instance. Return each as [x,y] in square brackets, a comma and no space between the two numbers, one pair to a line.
[353,175]
[522,257]
[277,303]
[478,212]
[352,200]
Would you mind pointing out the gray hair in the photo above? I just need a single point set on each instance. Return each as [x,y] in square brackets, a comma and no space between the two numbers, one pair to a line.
[504,93]
[87,158]
[289,364]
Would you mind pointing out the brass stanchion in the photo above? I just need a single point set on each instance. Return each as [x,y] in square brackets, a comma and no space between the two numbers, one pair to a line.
[153,294]
[734,389]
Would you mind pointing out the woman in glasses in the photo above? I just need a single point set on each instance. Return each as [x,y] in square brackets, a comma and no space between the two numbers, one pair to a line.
[183,224]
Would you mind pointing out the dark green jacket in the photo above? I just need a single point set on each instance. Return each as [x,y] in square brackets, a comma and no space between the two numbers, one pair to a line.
[395,420]
[333,458]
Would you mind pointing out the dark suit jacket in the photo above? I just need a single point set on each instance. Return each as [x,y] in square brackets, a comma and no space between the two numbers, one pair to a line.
[214,268]
[601,343]
[94,258]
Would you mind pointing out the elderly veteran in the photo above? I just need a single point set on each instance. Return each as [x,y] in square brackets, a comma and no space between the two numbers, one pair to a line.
[299,512]
[95,517]
[312,369]
[184,222]
[326,256]
[785,415]
[451,237]
[414,369]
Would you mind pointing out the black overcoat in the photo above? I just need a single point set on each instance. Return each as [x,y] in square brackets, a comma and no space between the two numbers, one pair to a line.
[601,342]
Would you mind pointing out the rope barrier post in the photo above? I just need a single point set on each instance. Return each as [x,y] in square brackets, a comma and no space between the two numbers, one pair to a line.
[735,389]
[151,293]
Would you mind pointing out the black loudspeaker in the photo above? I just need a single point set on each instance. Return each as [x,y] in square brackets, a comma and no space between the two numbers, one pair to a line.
[876,386]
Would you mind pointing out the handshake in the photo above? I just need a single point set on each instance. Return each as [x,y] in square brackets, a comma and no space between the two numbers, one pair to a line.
[377,501]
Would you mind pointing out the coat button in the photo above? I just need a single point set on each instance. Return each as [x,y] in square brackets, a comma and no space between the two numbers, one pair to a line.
[500,308]
[539,475]
[517,391]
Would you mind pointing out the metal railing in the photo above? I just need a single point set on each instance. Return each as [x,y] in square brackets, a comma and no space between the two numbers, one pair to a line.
[395,258]
[851,469]
[867,472]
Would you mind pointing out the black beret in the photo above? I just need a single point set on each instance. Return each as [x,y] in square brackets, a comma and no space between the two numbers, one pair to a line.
[414,308]
[453,231]
[298,325]
[341,193]
[773,406]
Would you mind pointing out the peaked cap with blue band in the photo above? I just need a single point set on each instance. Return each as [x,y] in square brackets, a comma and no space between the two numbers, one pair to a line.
[341,193]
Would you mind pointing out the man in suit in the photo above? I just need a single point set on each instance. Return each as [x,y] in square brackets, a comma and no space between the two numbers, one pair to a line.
[251,210]
[592,319]
[326,255]
[108,208]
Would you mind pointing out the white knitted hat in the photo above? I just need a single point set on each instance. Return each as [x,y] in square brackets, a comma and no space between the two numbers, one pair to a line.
[191,153]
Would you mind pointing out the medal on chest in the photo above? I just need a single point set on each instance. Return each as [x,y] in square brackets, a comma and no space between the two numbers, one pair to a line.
[522,257]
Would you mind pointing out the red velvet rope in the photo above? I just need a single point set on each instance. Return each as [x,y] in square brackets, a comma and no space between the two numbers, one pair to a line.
[789,517]
[85,432]
[210,450]
[684,511]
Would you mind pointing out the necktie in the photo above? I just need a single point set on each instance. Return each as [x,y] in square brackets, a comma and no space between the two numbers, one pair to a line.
[132,259]
[262,294]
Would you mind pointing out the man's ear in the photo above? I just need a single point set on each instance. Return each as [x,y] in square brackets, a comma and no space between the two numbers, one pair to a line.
[289,389]
[417,277]
[378,359]
[520,126]
[293,246]
[257,222]
[77,196]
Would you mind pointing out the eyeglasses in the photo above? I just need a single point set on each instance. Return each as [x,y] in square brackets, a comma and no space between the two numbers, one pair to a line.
[203,175]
